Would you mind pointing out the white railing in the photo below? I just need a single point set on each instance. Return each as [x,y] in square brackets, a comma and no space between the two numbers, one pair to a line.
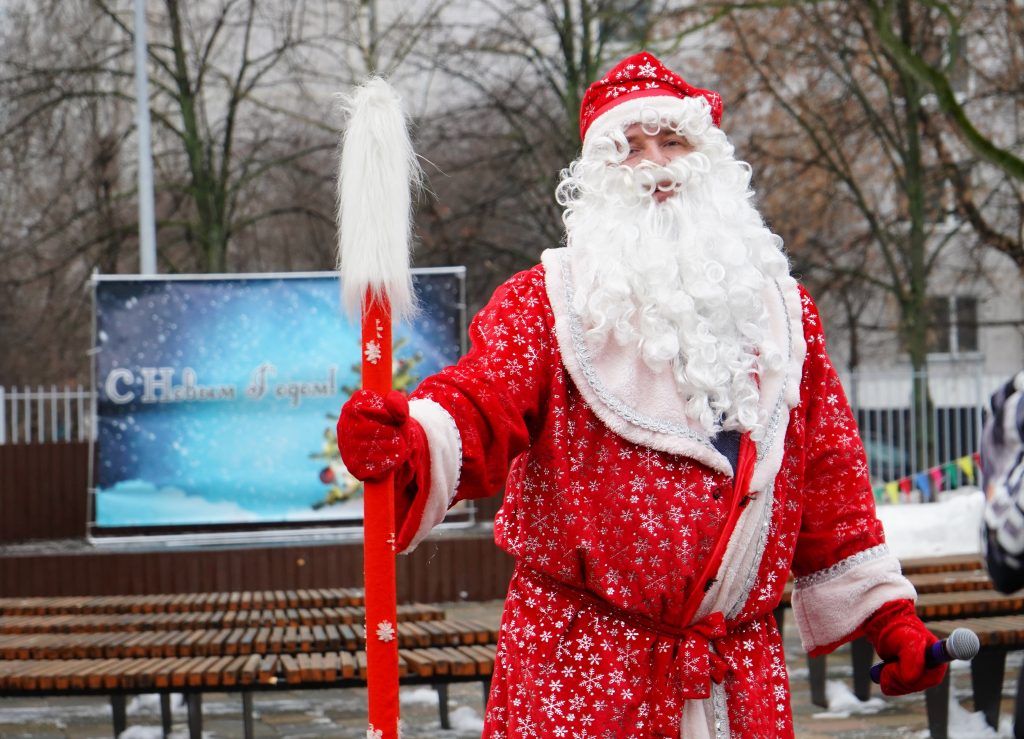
[40,415]
[904,434]
[882,402]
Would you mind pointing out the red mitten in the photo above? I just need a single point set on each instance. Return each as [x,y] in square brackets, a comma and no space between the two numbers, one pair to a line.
[901,639]
[376,436]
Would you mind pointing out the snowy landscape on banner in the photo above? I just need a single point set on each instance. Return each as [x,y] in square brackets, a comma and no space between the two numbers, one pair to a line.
[218,398]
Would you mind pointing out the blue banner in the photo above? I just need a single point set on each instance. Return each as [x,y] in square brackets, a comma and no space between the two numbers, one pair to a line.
[218,397]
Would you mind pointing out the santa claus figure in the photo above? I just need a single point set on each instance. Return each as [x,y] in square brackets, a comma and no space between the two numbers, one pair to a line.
[656,401]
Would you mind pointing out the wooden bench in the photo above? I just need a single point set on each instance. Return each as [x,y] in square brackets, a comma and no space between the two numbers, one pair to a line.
[120,677]
[242,641]
[223,642]
[184,602]
[950,582]
[941,563]
[169,621]
[998,636]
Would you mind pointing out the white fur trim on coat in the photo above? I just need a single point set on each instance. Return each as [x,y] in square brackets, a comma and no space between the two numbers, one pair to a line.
[831,604]
[445,446]
[623,115]
[737,574]
[698,719]
[644,406]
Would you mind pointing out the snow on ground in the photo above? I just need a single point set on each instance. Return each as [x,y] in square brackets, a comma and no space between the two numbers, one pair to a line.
[963,724]
[150,732]
[421,695]
[949,526]
[465,718]
[842,702]
[149,703]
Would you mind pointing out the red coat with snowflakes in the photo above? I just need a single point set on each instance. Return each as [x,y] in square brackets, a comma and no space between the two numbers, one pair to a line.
[614,505]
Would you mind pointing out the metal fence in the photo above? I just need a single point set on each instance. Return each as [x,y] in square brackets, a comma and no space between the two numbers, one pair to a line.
[900,438]
[46,415]
[904,432]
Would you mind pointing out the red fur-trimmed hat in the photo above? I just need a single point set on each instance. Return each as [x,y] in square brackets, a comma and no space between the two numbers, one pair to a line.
[637,82]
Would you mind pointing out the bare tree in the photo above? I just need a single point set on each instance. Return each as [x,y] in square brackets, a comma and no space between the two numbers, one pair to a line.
[518,70]
[244,144]
[67,208]
[978,59]
[861,156]
[935,70]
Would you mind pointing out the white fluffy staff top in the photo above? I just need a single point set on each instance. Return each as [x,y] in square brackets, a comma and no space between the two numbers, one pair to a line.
[376,179]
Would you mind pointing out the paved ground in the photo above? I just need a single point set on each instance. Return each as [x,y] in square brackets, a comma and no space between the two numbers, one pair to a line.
[341,714]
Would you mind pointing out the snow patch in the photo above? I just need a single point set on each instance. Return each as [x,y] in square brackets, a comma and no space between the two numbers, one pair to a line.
[950,526]
[465,718]
[419,696]
[842,703]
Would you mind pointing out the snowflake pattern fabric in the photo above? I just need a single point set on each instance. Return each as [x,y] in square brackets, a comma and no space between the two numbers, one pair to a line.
[640,75]
[632,526]
[385,631]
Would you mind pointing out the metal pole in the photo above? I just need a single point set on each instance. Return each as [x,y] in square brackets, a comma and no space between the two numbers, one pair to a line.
[147,226]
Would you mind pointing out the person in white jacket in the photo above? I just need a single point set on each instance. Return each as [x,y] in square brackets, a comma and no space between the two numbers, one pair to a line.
[1002,467]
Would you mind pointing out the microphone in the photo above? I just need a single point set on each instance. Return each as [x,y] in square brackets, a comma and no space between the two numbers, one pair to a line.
[960,644]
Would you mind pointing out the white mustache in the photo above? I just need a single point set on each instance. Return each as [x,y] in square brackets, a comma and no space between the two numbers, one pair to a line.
[647,177]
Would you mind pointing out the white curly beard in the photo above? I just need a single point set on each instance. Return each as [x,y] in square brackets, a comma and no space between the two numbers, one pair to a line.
[683,281]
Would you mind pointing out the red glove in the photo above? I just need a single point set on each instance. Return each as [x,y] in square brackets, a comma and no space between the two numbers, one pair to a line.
[897,634]
[376,436]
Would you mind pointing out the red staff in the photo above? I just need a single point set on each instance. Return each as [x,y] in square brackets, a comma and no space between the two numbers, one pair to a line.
[377,175]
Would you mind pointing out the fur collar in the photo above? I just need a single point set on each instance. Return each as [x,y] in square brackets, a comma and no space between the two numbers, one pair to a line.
[644,407]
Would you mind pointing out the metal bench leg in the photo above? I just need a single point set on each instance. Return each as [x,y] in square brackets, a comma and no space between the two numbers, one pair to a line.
[247,714]
[117,711]
[1018,708]
[165,714]
[987,671]
[487,690]
[861,653]
[195,715]
[442,704]
[780,617]
[936,701]
[817,668]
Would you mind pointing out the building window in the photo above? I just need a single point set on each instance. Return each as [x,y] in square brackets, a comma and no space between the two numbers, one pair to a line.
[952,324]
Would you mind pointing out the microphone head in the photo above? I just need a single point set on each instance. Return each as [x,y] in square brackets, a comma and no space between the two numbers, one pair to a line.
[962,644]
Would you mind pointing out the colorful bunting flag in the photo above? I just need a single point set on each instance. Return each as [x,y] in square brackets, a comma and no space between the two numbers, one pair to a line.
[947,476]
[921,480]
[967,466]
[952,475]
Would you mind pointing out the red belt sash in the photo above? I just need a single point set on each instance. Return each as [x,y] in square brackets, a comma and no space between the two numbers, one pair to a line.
[684,660]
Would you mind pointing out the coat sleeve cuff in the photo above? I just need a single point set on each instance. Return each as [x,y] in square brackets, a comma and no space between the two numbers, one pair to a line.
[445,446]
[831,605]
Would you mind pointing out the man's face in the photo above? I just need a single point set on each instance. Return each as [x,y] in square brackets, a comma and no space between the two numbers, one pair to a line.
[658,149]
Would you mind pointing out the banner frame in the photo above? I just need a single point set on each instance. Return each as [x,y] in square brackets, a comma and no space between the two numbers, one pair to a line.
[234,534]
